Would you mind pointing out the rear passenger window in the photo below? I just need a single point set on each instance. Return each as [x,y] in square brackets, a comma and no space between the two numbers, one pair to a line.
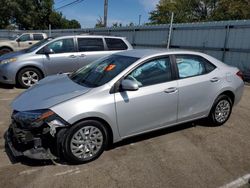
[190,65]
[209,67]
[37,37]
[115,44]
[153,72]
[90,44]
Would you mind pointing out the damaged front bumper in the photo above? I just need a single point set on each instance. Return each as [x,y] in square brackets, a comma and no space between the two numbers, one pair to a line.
[42,142]
[24,143]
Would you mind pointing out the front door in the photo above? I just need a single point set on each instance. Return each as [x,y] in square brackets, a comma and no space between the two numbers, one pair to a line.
[64,57]
[154,105]
[24,41]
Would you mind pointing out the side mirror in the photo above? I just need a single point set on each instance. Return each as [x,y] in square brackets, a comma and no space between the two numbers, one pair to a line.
[18,40]
[47,50]
[129,85]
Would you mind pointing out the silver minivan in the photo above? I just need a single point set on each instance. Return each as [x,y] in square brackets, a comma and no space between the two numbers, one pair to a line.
[60,55]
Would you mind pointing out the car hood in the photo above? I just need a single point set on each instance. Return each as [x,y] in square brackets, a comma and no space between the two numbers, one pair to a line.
[6,40]
[47,93]
[12,55]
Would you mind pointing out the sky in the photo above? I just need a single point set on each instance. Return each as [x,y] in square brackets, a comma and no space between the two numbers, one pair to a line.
[122,11]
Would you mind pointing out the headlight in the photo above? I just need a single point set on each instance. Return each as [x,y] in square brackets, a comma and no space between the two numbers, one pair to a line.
[32,119]
[8,60]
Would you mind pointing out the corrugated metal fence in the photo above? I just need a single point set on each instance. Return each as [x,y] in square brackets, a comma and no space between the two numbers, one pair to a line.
[228,41]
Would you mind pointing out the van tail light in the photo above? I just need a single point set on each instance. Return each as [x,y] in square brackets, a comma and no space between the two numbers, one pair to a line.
[240,74]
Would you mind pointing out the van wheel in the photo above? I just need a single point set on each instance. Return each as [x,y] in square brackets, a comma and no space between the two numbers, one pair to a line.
[221,110]
[85,141]
[27,77]
[5,50]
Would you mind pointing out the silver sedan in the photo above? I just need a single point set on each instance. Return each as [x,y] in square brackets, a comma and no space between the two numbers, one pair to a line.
[119,96]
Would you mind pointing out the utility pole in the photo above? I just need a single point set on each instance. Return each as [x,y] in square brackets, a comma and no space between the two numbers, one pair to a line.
[170,30]
[140,19]
[105,13]
[49,30]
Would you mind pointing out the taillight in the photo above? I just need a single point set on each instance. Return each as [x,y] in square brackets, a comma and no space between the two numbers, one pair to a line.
[240,74]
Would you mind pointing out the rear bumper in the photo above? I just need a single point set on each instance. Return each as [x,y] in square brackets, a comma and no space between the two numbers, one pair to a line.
[238,93]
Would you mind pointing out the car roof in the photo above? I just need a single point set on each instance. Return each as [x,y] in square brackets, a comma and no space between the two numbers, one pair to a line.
[89,36]
[141,53]
[151,53]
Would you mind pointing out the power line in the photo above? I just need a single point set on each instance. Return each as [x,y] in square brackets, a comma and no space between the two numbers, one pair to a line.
[61,1]
[70,4]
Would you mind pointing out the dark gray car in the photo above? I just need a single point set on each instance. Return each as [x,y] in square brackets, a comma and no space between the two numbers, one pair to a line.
[59,55]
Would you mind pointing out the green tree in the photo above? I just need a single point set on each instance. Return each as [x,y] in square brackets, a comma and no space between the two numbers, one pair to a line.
[33,14]
[116,24]
[131,24]
[99,22]
[184,11]
[232,10]
[199,10]
[8,11]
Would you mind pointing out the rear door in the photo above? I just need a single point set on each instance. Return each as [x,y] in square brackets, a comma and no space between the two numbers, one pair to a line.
[115,44]
[198,84]
[37,37]
[64,57]
[90,49]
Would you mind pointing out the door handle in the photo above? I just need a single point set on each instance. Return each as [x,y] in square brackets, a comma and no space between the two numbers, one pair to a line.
[171,90]
[215,79]
[72,56]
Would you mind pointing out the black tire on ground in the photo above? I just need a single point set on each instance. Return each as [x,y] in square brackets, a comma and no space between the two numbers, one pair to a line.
[32,71]
[69,156]
[5,50]
[212,116]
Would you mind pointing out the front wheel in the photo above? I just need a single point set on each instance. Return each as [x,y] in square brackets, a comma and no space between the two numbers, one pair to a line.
[221,110]
[85,141]
[27,77]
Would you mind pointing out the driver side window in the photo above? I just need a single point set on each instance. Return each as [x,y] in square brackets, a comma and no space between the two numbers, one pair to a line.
[153,72]
[62,46]
[24,38]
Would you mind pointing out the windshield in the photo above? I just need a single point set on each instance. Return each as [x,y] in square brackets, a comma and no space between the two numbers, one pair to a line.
[102,71]
[37,45]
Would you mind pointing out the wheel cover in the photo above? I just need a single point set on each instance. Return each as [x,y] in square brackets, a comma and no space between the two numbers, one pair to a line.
[29,78]
[4,51]
[222,111]
[86,142]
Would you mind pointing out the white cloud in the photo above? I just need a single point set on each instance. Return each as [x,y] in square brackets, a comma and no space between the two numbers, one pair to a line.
[149,4]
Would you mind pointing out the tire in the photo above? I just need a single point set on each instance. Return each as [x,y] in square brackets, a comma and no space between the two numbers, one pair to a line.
[221,110]
[29,76]
[79,153]
[5,50]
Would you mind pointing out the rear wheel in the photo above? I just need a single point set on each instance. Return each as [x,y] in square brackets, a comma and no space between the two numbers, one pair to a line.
[85,141]
[221,110]
[5,50]
[27,77]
